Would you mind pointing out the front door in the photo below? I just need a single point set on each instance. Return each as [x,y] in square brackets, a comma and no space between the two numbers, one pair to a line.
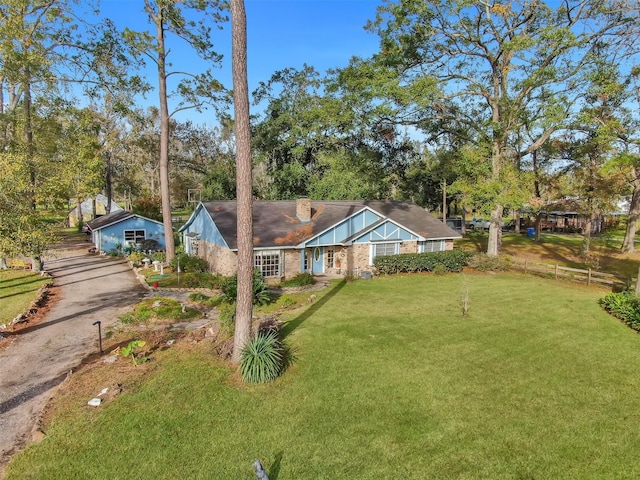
[317,259]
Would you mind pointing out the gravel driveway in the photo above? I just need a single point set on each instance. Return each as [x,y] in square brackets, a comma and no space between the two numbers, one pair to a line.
[41,356]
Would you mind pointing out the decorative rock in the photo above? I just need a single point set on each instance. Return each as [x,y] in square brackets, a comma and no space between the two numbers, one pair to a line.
[110,359]
[260,472]
[94,402]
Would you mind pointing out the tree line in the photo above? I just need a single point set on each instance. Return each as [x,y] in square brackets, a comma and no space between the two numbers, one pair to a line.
[468,106]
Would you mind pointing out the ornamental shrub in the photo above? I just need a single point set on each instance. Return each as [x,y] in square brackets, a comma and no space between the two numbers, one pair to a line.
[189,263]
[136,258]
[261,294]
[300,280]
[261,358]
[451,261]
[624,306]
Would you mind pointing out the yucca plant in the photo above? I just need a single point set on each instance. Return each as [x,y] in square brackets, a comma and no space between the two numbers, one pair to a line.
[261,358]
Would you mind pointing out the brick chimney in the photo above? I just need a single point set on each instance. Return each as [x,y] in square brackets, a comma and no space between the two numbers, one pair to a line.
[303,209]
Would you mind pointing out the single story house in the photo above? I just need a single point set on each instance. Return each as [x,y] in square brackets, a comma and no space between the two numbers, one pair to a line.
[91,208]
[319,237]
[121,229]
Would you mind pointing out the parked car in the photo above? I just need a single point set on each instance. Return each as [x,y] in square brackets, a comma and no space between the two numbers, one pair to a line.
[482,224]
[479,224]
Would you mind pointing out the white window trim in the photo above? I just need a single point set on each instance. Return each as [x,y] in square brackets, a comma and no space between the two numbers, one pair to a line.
[372,249]
[262,253]
[135,242]
[423,246]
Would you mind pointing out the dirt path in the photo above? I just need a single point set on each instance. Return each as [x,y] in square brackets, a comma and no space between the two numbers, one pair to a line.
[41,356]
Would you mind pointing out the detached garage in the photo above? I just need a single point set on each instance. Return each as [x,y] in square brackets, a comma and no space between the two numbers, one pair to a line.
[120,230]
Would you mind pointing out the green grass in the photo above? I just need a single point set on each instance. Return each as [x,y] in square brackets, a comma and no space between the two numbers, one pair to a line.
[563,249]
[160,309]
[390,382]
[18,288]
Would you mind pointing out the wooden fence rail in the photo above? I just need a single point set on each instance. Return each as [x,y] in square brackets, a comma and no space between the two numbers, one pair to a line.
[588,276]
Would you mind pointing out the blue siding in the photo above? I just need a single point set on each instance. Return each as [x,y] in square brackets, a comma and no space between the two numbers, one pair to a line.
[345,229]
[204,226]
[112,235]
[386,231]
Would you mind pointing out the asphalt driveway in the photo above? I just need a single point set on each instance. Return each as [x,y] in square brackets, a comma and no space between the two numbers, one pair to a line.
[42,355]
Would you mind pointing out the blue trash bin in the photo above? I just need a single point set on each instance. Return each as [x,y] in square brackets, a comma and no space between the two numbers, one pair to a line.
[531,232]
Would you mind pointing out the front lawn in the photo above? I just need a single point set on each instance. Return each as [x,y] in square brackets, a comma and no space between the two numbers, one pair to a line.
[391,381]
[18,288]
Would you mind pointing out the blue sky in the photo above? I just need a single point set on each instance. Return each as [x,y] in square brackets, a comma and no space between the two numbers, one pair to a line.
[281,33]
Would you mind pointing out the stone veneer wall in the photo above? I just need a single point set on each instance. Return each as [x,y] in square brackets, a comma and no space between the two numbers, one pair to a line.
[409,246]
[357,256]
[224,261]
[220,259]
[292,263]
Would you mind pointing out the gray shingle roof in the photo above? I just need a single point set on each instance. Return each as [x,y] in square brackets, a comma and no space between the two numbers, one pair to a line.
[114,217]
[275,223]
[109,219]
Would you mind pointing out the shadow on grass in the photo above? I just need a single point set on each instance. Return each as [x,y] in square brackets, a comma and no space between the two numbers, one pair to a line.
[17,282]
[291,325]
[21,292]
[274,469]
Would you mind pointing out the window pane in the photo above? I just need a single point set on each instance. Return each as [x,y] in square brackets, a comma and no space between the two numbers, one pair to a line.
[433,246]
[134,236]
[384,249]
[330,257]
[268,263]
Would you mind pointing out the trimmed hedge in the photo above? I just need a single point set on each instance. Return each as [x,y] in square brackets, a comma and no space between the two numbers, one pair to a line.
[451,260]
[624,306]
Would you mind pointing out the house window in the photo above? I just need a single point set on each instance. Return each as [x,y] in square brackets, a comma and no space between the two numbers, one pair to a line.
[331,255]
[383,249]
[305,266]
[191,245]
[433,246]
[132,237]
[268,262]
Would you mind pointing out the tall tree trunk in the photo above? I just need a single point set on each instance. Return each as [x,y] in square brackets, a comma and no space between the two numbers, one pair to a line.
[628,245]
[495,231]
[244,305]
[164,139]
[28,137]
[586,235]
[444,202]
[108,184]
[79,215]
[463,225]
[537,225]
